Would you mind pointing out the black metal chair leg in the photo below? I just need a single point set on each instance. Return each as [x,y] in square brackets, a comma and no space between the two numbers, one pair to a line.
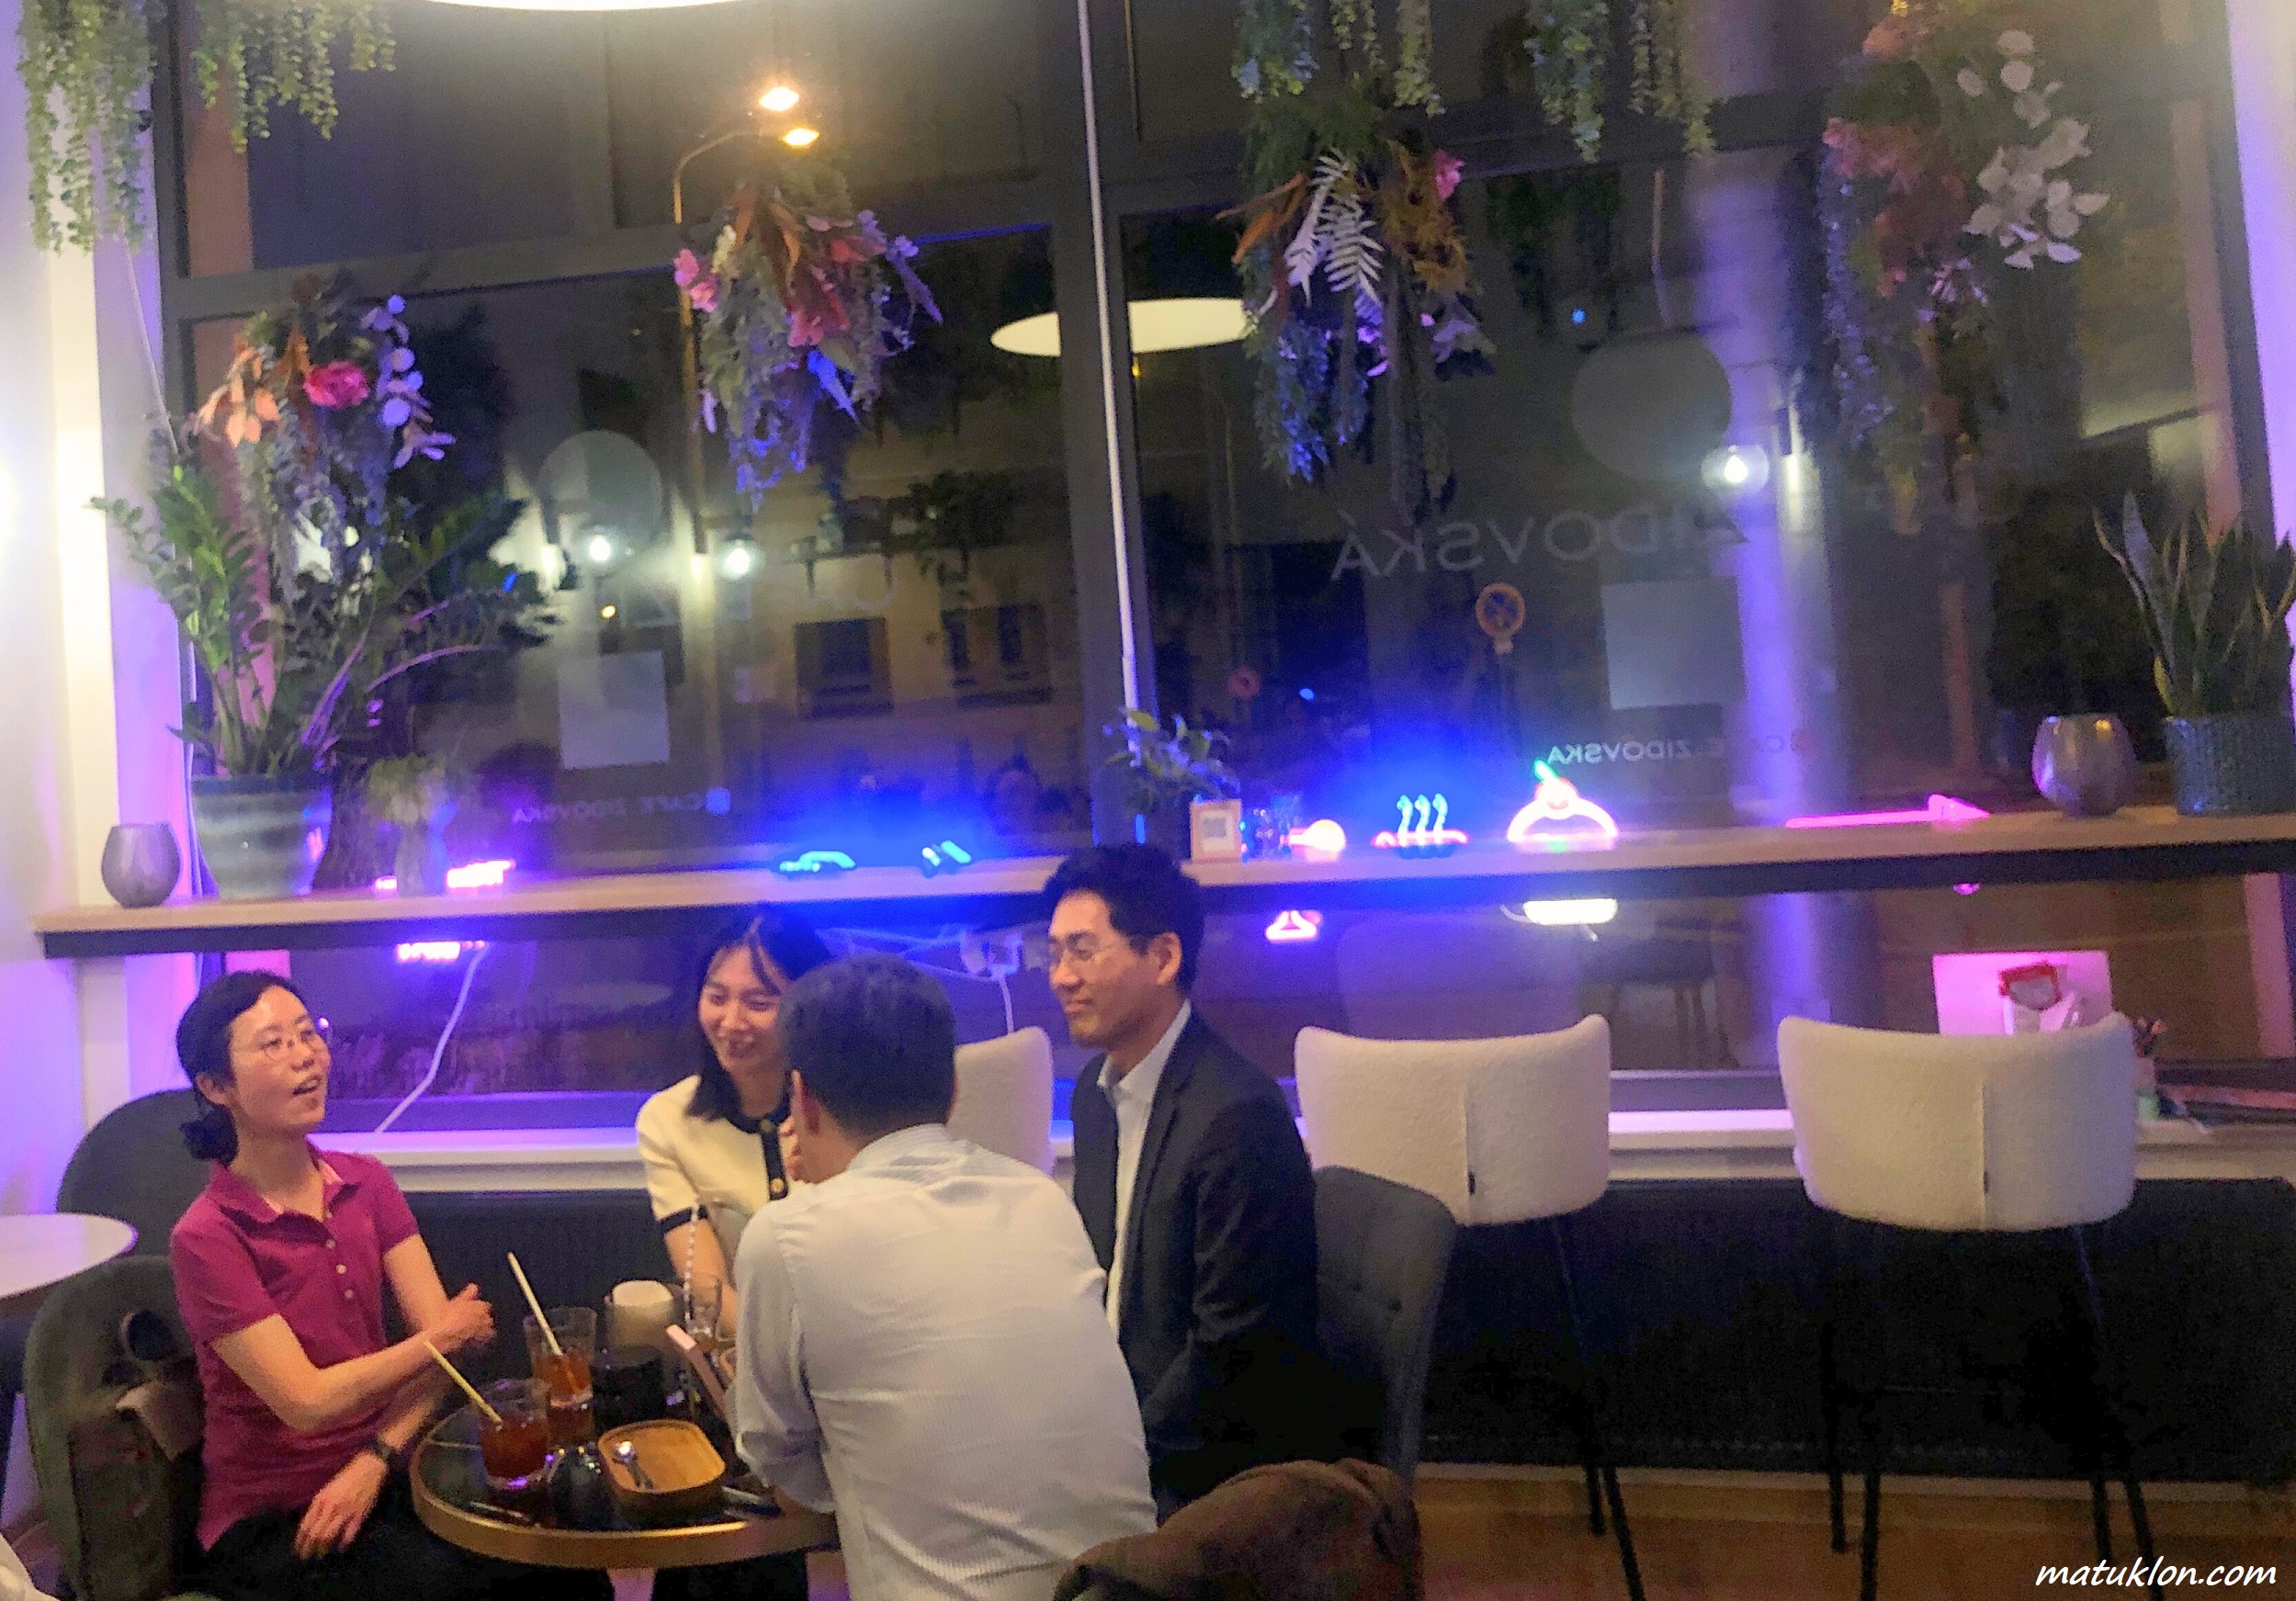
[2109,1425]
[1870,1535]
[1594,1493]
[1596,1445]
[2100,1512]
[1829,1379]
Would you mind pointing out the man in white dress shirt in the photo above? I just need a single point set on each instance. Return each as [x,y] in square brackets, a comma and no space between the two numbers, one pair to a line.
[924,1348]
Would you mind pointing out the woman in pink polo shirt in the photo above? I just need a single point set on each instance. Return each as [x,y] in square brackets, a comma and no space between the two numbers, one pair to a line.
[280,1270]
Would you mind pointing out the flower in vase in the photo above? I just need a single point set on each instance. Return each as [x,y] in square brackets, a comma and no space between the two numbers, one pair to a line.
[699,282]
[337,386]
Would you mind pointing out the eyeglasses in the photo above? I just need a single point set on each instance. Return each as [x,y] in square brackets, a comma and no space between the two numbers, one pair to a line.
[1082,950]
[314,1035]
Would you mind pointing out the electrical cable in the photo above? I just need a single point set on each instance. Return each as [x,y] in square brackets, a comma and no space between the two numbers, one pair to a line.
[438,1052]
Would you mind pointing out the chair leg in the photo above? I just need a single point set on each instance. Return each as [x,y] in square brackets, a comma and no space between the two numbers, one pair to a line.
[1597,1447]
[2100,1513]
[2109,1428]
[1594,1492]
[1829,1377]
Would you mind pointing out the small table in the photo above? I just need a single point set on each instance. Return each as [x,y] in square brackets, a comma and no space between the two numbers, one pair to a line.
[447,1476]
[38,1251]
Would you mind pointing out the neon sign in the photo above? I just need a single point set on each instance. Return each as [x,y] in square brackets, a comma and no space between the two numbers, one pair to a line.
[1562,914]
[813,861]
[1943,808]
[434,949]
[1323,839]
[1421,827]
[471,875]
[945,857]
[1559,818]
[1294,927]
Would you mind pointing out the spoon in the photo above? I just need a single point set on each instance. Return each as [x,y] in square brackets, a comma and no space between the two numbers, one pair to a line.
[625,1453]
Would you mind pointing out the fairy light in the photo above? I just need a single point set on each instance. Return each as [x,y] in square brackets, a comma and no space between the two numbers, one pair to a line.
[781,97]
[800,137]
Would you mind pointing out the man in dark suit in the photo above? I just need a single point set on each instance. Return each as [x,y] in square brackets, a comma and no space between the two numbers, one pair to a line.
[1192,1182]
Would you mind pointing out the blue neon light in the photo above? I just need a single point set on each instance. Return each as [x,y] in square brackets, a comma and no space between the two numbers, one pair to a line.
[813,861]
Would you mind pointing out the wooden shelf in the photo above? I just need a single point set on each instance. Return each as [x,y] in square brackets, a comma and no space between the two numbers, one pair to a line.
[2039,847]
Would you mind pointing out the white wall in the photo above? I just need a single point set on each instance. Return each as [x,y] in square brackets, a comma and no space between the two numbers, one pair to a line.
[73,1044]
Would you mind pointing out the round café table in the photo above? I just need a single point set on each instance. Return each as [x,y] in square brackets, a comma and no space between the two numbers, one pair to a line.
[40,1250]
[448,1479]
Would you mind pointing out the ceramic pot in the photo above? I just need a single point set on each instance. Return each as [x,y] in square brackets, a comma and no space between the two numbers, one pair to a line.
[2085,765]
[262,838]
[2237,764]
[1164,825]
[141,864]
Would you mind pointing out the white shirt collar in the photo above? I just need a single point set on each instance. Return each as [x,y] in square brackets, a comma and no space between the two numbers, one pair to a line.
[887,1149]
[1139,1085]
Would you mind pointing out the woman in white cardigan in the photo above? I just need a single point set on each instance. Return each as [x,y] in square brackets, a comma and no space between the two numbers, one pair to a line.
[710,1142]
[712,1153]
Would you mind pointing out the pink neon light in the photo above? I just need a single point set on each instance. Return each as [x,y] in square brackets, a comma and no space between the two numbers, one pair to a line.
[471,875]
[1417,839]
[1556,804]
[1943,808]
[1294,927]
[430,951]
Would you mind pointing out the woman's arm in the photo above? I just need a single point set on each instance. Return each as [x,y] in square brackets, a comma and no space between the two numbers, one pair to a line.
[709,1267]
[271,1361]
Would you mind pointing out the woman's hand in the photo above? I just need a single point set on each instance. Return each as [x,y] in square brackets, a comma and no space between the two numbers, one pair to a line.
[467,1321]
[339,1511]
[793,1152]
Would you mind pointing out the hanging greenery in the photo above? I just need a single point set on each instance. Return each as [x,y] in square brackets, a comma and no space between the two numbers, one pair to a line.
[1570,44]
[1353,263]
[86,67]
[798,310]
[253,55]
[1948,163]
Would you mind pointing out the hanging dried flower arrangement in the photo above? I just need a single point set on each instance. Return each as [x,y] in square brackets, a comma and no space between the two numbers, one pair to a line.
[800,299]
[1571,43]
[86,68]
[1353,265]
[321,404]
[1947,161]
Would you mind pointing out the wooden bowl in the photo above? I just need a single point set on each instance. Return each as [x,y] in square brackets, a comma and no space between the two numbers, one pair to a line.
[685,1466]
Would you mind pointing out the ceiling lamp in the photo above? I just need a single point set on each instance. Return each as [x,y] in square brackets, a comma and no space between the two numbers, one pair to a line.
[781,97]
[800,137]
[1181,324]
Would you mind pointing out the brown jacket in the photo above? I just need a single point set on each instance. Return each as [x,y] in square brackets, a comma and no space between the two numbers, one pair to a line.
[1291,1531]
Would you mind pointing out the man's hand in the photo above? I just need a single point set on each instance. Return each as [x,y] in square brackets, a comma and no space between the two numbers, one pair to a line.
[467,1321]
[337,1513]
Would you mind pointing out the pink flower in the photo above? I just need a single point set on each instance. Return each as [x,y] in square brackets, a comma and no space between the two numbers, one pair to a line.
[1449,169]
[338,384]
[699,282]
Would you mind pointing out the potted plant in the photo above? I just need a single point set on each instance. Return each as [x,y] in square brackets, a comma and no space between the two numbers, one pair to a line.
[416,796]
[304,582]
[1164,771]
[2215,608]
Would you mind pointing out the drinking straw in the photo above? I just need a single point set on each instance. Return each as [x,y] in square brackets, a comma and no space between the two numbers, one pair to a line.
[555,1350]
[456,1374]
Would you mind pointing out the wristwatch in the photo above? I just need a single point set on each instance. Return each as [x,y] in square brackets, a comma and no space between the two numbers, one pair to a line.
[390,1455]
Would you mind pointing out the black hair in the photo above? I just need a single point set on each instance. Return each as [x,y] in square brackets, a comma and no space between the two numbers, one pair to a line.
[877,1042]
[1147,895]
[776,941]
[203,1044]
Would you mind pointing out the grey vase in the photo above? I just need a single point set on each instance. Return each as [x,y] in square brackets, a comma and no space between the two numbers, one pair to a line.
[141,864]
[2237,764]
[261,838]
[2085,765]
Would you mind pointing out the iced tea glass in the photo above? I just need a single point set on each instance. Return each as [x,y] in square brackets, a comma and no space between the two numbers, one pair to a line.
[565,1371]
[516,1442]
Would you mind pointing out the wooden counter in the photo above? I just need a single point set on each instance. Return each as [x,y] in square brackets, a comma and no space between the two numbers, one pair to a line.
[2040,847]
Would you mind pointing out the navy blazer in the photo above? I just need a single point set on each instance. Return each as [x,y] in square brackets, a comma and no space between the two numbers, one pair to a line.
[1219,1321]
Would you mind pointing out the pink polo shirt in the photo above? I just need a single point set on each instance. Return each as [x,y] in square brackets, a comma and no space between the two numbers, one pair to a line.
[239,1259]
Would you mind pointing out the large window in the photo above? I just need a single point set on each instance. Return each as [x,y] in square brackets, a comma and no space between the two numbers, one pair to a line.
[1664,570]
